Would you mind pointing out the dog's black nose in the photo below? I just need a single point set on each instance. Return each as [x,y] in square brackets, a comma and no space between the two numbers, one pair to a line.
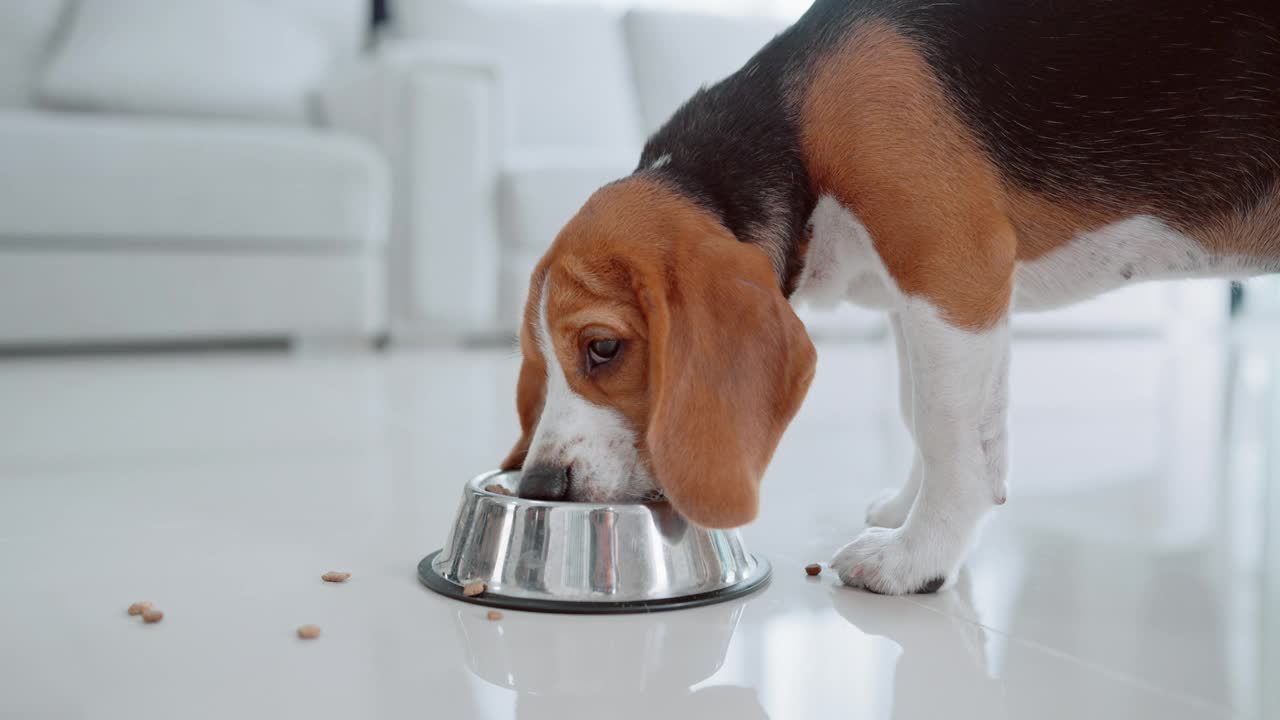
[545,482]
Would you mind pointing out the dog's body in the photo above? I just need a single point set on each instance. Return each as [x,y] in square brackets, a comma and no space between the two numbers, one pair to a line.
[946,161]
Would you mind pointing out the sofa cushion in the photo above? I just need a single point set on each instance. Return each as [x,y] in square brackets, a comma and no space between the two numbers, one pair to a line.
[95,180]
[231,58]
[536,197]
[674,53]
[564,70]
[26,28]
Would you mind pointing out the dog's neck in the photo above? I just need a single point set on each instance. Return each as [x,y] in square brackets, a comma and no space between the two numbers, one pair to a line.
[734,149]
[751,178]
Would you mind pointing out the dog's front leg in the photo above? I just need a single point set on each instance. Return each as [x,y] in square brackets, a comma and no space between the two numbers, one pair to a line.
[955,395]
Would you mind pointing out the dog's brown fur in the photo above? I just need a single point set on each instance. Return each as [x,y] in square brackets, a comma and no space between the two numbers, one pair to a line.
[878,135]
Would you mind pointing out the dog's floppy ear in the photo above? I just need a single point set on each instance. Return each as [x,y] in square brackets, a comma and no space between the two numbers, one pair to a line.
[729,364]
[529,396]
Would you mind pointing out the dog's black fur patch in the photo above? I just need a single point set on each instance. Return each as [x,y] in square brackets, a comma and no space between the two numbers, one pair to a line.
[1170,105]
[735,146]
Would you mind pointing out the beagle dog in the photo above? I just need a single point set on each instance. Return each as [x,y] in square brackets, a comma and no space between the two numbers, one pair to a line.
[948,162]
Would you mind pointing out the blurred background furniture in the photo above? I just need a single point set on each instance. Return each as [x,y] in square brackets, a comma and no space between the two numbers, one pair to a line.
[169,173]
[180,170]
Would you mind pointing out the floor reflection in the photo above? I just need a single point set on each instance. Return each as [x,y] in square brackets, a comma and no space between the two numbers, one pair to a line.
[1156,559]
[1135,572]
[944,661]
[718,701]
[623,667]
[1140,540]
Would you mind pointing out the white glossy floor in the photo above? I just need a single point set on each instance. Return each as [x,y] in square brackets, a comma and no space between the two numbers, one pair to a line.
[1134,573]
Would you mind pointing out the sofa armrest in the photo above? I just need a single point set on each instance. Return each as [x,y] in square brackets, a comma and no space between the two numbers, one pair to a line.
[434,111]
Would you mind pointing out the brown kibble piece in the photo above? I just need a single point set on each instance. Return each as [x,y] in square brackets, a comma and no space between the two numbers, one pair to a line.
[335,576]
[309,632]
[497,489]
[812,570]
[472,589]
[152,616]
[494,615]
[139,608]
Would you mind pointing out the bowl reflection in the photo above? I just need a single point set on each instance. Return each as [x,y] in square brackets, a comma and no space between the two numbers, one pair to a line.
[625,656]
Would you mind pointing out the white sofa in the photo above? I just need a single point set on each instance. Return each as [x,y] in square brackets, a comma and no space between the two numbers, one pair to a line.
[126,226]
[522,111]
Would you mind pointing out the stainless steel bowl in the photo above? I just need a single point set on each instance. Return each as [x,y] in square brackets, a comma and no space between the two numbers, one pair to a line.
[585,557]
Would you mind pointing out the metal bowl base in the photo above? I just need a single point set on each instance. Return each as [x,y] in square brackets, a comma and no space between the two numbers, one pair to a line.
[448,588]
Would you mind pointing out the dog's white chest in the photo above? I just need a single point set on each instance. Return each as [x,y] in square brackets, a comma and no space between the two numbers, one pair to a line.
[842,263]
[1135,249]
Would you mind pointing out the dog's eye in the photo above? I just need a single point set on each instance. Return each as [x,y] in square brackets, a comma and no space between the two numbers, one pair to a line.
[600,352]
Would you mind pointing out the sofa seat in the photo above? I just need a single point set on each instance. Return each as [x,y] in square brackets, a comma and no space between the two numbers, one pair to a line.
[119,229]
[92,180]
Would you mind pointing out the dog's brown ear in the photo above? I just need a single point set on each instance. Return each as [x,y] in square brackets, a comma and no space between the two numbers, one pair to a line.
[530,395]
[729,364]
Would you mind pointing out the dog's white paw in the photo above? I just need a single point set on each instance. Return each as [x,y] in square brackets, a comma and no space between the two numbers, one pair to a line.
[882,561]
[889,509]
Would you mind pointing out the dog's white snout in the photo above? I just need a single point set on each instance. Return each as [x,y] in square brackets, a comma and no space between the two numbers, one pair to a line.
[594,443]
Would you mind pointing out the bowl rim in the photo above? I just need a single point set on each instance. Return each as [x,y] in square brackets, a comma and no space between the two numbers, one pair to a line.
[759,579]
[476,485]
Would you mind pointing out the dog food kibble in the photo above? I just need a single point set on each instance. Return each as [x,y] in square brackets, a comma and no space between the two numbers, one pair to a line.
[497,489]
[472,589]
[152,616]
[812,570]
[139,608]
[335,576]
[494,615]
[309,632]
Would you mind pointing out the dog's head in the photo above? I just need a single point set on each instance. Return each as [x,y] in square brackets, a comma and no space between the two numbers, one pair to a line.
[660,357]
